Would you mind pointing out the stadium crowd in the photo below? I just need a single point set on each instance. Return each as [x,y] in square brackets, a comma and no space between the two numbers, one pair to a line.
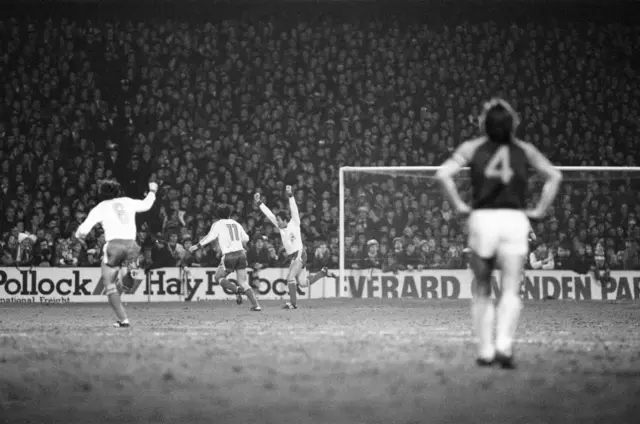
[254,101]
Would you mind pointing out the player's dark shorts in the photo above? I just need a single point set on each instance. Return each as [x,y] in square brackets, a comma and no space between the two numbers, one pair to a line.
[119,253]
[303,257]
[234,261]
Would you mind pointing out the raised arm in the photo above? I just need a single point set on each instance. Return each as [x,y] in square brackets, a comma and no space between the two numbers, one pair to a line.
[265,210]
[145,204]
[94,218]
[295,214]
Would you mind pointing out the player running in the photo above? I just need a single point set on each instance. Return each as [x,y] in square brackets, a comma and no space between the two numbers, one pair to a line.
[498,224]
[117,215]
[292,242]
[232,239]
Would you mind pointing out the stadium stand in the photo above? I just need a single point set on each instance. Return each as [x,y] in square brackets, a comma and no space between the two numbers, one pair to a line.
[216,105]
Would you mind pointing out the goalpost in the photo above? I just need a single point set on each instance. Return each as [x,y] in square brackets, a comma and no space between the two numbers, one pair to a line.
[372,187]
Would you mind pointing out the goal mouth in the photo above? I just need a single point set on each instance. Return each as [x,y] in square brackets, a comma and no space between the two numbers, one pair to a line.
[402,209]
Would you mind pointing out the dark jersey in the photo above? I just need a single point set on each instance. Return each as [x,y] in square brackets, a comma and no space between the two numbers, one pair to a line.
[499,173]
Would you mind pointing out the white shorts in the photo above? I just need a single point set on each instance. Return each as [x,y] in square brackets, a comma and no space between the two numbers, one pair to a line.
[497,232]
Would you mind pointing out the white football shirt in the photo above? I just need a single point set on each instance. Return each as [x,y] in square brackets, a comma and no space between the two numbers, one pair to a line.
[291,237]
[291,234]
[117,216]
[230,234]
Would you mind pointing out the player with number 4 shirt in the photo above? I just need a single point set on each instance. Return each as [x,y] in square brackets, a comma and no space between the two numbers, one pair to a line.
[499,224]
[232,239]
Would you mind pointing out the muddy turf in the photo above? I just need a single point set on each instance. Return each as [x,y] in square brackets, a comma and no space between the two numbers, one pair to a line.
[331,361]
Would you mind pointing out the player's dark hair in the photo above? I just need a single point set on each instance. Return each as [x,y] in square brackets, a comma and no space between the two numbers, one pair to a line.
[110,189]
[282,216]
[499,121]
[224,211]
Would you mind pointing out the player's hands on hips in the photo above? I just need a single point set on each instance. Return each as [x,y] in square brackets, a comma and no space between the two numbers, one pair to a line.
[153,187]
[463,209]
[288,190]
[535,214]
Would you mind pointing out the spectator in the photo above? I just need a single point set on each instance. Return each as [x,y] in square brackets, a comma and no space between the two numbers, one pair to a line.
[411,259]
[373,257]
[7,259]
[24,253]
[321,257]
[92,258]
[65,254]
[630,258]
[258,254]
[353,259]
[426,255]
[438,262]
[581,263]
[395,257]
[563,257]
[176,250]
[453,257]
[274,258]
[43,254]
[161,255]
[541,258]
[146,262]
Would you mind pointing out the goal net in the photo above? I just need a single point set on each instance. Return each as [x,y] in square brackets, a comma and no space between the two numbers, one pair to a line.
[396,221]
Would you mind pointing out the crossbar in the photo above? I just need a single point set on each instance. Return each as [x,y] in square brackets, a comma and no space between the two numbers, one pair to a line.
[345,169]
[435,168]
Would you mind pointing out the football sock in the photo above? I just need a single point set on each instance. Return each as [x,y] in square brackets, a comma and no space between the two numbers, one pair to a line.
[483,315]
[293,293]
[251,296]
[116,304]
[509,309]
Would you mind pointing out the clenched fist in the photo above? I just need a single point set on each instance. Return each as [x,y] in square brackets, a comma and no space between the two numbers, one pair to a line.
[256,198]
[288,190]
[153,187]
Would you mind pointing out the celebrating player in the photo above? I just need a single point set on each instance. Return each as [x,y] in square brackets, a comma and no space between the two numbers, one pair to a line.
[232,239]
[117,216]
[292,241]
[498,224]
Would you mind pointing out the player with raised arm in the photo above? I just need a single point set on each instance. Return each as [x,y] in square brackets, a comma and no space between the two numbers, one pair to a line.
[292,242]
[232,239]
[498,223]
[117,214]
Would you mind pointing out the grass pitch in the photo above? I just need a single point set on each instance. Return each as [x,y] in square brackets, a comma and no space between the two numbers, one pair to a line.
[332,361]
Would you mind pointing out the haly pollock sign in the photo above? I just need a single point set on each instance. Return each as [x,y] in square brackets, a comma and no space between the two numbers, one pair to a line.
[64,285]
[456,284]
